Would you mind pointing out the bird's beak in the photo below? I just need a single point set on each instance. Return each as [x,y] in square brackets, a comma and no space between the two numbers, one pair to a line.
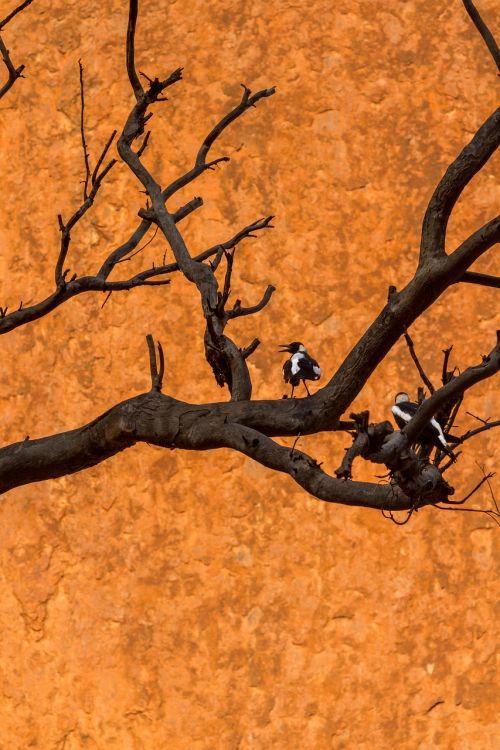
[284,347]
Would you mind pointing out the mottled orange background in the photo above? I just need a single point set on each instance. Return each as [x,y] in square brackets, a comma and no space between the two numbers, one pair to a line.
[174,600]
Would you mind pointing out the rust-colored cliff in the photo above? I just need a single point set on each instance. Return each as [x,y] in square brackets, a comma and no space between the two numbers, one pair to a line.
[170,600]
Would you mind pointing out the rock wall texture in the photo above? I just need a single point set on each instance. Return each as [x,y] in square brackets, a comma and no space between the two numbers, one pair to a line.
[166,600]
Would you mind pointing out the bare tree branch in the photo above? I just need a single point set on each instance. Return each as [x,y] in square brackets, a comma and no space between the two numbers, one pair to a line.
[225,358]
[248,100]
[452,390]
[161,420]
[132,74]
[81,211]
[482,279]
[238,311]
[480,25]
[82,132]
[14,13]
[467,164]
[243,425]
[471,433]
[473,247]
[13,72]
[419,367]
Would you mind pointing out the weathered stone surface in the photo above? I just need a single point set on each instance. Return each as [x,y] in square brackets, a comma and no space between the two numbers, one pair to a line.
[167,600]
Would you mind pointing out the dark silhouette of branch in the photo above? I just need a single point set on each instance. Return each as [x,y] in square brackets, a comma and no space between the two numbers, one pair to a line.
[446,375]
[82,132]
[248,100]
[472,433]
[14,13]
[241,424]
[458,175]
[132,74]
[80,212]
[419,367]
[480,25]
[452,390]
[482,279]
[13,73]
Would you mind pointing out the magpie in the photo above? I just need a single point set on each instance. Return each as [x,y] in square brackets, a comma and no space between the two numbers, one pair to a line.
[432,433]
[300,366]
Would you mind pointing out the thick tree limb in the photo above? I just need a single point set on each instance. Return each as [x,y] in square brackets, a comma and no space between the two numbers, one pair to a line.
[467,164]
[161,420]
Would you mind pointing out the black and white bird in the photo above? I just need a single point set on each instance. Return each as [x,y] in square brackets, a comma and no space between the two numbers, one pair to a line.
[432,433]
[300,366]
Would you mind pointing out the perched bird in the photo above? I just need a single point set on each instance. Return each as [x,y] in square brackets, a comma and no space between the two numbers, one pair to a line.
[432,433]
[300,366]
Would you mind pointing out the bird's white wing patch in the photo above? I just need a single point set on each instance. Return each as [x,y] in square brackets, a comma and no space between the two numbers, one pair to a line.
[400,413]
[440,432]
[295,360]
[317,370]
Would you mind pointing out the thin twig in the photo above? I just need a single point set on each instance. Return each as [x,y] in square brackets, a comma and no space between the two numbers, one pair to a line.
[82,131]
[485,478]
[155,380]
[479,419]
[490,513]
[140,249]
[419,367]
[389,515]
[107,297]
[472,433]
[14,13]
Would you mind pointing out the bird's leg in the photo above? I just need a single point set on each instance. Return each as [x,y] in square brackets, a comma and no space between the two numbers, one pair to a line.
[307,389]
[293,388]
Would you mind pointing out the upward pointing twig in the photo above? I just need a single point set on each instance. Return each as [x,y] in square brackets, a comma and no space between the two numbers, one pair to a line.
[156,375]
[82,131]
[132,73]
[419,367]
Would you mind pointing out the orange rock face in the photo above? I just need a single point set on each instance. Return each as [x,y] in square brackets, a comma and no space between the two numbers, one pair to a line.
[169,600]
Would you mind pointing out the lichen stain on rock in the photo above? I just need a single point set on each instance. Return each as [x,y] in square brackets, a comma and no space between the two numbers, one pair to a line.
[170,600]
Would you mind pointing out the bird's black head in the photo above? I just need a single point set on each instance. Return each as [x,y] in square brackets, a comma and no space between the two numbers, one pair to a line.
[293,348]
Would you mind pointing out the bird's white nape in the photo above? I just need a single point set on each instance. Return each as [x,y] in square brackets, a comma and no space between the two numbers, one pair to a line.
[401,397]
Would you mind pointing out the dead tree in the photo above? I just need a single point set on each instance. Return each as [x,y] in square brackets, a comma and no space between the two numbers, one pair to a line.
[249,427]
